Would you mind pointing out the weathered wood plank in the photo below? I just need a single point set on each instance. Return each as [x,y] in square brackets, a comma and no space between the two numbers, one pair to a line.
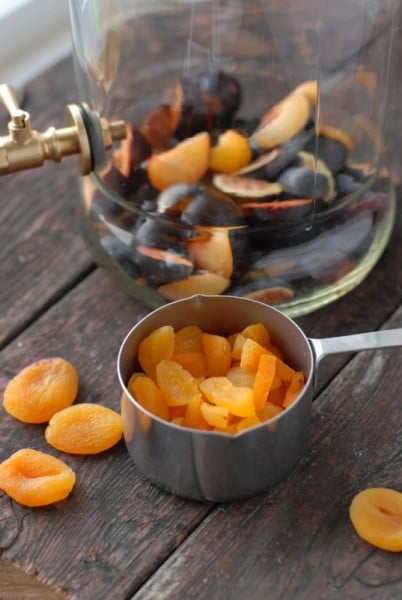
[15,584]
[41,251]
[297,541]
[116,528]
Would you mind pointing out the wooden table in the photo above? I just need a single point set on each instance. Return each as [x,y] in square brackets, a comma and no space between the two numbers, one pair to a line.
[118,536]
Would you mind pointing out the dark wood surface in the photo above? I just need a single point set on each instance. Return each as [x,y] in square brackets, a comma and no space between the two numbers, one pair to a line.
[118,536]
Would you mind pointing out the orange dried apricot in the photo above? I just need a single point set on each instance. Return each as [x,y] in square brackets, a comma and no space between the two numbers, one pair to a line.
[295,387]
[232,152]
[84,429]
[239,376]
[149,396]
[193,416]
[215,382]
[215,416]
[264,379]
[34,478]
[376,515]
[185,163]
[41,389]
[188,339]
[268,411]
[177,385]
[220,391]
[194,362]
[238,342]
[251,354]
[206,282]
[218,354]
[212,252]
[158,345]
[257,332]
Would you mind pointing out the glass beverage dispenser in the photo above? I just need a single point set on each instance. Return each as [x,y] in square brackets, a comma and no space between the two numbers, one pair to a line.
[254,157]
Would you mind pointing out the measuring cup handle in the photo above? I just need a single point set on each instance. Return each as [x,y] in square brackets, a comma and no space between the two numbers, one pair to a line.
[372,340]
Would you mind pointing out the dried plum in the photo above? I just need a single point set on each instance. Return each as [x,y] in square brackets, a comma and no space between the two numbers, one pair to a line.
[162,266]
[174,199]
[331,151]
[302,182]
[210,207]
[210,101]
[278,212]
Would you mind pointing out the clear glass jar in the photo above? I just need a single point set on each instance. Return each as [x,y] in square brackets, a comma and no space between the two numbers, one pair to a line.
[254,158]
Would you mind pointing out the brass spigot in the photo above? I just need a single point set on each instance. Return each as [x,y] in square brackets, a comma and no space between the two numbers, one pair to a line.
[87,136]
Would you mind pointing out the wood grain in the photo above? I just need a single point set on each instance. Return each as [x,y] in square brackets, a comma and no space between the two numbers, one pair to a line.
[297,541]
[118,536]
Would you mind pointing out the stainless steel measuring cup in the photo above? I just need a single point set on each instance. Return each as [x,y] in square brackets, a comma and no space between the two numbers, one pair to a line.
[206,465]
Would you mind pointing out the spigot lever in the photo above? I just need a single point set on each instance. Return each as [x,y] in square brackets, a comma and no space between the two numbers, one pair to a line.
[88,136]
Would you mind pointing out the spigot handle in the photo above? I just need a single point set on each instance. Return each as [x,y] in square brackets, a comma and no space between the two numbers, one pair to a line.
[87,135]
[9,99]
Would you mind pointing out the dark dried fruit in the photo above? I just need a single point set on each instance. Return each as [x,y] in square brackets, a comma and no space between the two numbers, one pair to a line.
[162,266]
[174,199]
[210,207]
[210,101]
[332,152]
[302,182]
[159,125]
[279,211]
[162,234]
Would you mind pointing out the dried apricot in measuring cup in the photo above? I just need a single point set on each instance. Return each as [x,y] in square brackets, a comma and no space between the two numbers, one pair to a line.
[376,515]
[34,478]
[41,389]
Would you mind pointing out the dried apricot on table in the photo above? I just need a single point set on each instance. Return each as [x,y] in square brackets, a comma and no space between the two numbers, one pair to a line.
[34,478]
[41,389]
[84,429]
[376,515]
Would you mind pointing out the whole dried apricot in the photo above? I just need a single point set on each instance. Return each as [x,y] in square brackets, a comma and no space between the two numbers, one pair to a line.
[84,429]
[41,389]
[376,515]
[34,478]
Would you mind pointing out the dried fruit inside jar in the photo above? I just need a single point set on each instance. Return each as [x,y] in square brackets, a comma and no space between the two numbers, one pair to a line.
[269,206]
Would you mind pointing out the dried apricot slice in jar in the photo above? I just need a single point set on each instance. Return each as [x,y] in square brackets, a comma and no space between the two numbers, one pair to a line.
[376,515]
[232,152]
[185,163]
[84,429]
[34,478]
[41,389]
